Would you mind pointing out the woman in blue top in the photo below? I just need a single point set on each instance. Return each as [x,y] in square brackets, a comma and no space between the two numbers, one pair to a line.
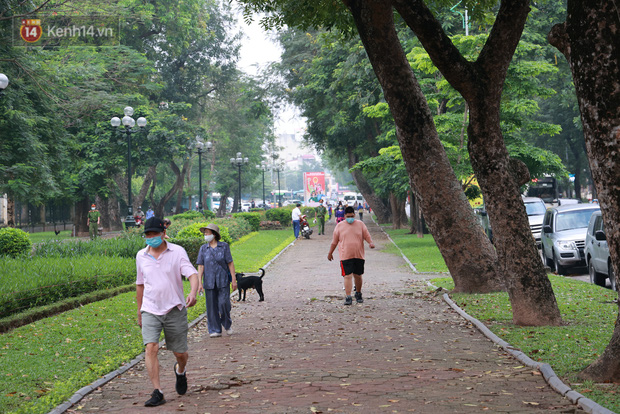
[216,270]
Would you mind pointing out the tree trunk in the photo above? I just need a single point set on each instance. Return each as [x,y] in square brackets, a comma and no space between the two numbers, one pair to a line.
[221,212]
[469,255]
[481,83]
[177,186]
[80,228]
[395,213]
[148,179]
[379,207]
[110,214]
[589,40]
[10,211]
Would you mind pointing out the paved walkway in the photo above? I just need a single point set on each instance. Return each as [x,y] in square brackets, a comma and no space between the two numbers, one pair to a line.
[302,351]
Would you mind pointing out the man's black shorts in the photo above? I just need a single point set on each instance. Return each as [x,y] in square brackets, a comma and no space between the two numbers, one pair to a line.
[349,266]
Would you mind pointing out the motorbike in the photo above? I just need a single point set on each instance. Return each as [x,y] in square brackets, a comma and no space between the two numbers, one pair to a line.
[304,227]
[138,220]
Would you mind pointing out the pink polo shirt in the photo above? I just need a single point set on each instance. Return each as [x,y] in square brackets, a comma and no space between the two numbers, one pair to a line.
[350,239]
[161,277]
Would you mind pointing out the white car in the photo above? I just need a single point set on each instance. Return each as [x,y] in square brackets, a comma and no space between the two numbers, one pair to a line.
[246,207]
[535,208]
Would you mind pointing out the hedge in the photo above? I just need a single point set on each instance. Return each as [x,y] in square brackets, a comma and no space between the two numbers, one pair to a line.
[252,218]
[14,242]
[281,214]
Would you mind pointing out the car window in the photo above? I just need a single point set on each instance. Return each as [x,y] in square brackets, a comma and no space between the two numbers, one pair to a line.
[598,223]
[569,220]
[547,220]
[535,209]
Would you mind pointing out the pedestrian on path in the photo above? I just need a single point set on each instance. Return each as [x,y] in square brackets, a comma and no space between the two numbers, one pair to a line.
[216,270]
[295,215]
[162,305]
[150,213]
[349,236]
[360,211]
[93,220]
[321,211]
[339,212]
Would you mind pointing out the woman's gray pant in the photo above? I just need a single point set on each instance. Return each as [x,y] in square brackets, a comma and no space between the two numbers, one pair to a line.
[218,309]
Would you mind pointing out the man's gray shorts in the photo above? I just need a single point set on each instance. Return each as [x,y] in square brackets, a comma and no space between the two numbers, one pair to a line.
[174,325]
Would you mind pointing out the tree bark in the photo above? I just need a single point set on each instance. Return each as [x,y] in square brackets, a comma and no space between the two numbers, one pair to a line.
[589,40]
[10,211]
[82,207]
[177,186]
[467,252]
[148,179]
[379,207]
[396,223]
[481,83]
[110,213]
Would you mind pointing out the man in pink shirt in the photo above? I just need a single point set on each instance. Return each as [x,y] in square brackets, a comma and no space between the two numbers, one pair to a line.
[162,303]
[349,236]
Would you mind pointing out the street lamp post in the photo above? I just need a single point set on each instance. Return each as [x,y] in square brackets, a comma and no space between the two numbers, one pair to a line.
[263,166]
[207,148]
[128,122]
[239,161]
[4,82]
[279,167]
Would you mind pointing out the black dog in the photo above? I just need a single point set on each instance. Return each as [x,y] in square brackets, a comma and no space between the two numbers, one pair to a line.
[246,282]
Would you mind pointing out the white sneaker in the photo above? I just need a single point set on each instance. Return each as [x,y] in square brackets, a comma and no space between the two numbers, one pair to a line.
[215,335]
[229,331]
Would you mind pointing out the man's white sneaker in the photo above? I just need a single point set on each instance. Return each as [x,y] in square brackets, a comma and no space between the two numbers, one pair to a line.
[229,331]
[215,335]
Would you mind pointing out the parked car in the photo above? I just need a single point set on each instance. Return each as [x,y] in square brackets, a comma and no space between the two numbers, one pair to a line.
[564,236]
[535,208]
[597,253]
[245,207]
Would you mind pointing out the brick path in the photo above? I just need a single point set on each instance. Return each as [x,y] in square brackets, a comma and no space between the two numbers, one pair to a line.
[302,351]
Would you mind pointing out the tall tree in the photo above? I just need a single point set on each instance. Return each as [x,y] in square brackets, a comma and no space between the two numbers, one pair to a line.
[468,253]
[589,40]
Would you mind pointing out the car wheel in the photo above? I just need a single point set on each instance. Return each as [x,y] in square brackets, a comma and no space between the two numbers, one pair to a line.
[559,269]
[612,277]
[595,277]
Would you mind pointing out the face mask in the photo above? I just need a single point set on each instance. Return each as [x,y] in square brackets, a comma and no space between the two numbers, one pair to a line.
[92,208]
[154,241]
[350,220]
[209,237]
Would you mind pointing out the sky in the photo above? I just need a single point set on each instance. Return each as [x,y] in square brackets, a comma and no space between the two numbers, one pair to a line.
[257,51]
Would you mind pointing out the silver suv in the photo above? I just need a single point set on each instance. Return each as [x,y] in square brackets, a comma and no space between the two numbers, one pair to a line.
[564,236]
[597,253]
[535,209]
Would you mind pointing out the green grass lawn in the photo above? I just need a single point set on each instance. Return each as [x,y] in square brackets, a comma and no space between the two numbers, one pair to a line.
[423,253]
[42,364]
[589,312]
[49,235]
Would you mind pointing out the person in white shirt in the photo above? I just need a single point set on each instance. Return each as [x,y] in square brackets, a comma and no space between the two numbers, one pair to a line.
[295,215]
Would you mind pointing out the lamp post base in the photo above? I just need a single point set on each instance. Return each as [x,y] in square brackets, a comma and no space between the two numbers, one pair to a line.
[130,222]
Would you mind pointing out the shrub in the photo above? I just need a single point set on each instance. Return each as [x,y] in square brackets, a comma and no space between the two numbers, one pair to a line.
[191,245]
[281,214]
[188,215]
[127,245]
[208,214]
[193,232]
[252,218]
[14,242]
[257,210]
[237,227]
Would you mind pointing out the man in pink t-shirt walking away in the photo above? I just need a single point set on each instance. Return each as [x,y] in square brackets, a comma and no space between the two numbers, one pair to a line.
[162,304]
[349,236]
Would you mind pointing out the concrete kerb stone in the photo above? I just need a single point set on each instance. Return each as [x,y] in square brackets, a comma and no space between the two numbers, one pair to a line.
[545,369]
[83,392]
[550,376]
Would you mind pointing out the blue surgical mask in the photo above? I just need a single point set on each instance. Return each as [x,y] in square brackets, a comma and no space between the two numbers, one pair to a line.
[350,220]
[154,242]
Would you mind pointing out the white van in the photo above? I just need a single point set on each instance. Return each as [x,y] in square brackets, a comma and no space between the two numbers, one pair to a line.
[351,198]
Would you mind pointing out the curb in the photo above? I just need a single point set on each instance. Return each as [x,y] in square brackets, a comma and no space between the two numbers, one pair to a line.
[547,372]
[83,392]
